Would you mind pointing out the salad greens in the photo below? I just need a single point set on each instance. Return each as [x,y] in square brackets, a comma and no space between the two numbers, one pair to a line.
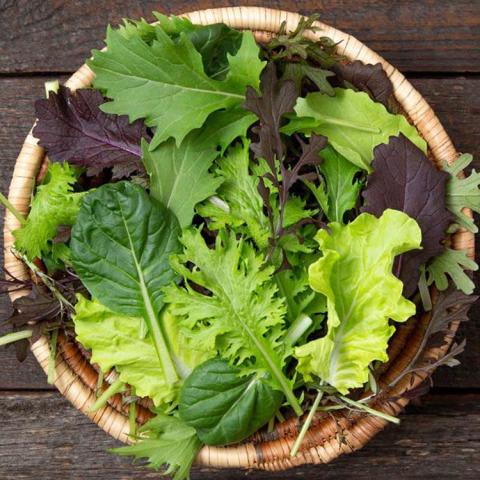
[235,232]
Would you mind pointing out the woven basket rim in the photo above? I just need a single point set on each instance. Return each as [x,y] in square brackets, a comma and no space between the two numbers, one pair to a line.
[322,444]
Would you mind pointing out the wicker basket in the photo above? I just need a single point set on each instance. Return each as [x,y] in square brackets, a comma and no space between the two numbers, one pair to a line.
[75,377]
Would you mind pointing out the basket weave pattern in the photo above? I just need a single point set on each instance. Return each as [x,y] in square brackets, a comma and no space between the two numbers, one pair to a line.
[330,435]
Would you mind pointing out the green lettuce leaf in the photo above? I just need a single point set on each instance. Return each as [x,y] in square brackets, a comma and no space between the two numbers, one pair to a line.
[167,443]
[165,82]
[353,123]
[452,263]
[54,205]
[339,192]
[355,274]
[242,317]
[116,341]
[463,192]
[241,206]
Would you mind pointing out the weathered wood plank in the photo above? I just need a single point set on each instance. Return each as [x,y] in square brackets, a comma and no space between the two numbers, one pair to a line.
[44,437]
[428,35]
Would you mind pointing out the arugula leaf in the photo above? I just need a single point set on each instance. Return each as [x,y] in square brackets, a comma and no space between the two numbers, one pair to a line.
[243,317]
[463,192]
[120,245]
[165,441]
[72,127]
[133,73]
[223,406]
[116,341]
[352,122]
[54,205]
[371,79]
[405,179]
[451,263]
[241,205]
[214,42]
[339,193]
[354,274]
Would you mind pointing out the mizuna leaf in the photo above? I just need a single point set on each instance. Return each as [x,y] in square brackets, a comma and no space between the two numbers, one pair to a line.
[54,205]
[165,82]
[243,317]
[167,443]
[116,341]
[242,207]
[223,406]
[121,244]
[355,274]
[451,263]
[71,127]
[339,192]
[404,179]
[371,79]
[463,192]
[353,123]
[318,76]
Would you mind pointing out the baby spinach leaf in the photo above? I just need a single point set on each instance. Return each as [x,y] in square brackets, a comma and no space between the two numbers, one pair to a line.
[72,127]
[165,82]
[452,263]
[242,317]
[353,123]
[167,443]
[463,192]
[54,205]
[405,179]
[120,245]
[355,274]
[368,78]
[223,406]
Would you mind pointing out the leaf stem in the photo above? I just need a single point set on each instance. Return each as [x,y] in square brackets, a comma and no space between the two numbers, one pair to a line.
[9,206]
[300,325]
[15,337]
[116,387]
[369,410]
[52,357]
[306,425]
[132,414]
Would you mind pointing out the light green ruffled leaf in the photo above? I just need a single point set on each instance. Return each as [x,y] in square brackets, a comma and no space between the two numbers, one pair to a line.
[355,274]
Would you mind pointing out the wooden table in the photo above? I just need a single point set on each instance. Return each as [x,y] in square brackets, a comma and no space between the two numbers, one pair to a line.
[436,43]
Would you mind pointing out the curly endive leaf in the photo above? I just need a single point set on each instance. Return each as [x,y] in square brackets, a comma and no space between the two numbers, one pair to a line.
[242,317]
[242,207]
[54,205]
[72,127]
[463,192]
[355,274]
[452,263]
[405,179]
[116,340]
[353,123]
[165,82]
[167,443]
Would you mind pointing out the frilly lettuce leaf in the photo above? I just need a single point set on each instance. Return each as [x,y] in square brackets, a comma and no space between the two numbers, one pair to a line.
[237,310]
[55,204]
[355,274]
[116,342]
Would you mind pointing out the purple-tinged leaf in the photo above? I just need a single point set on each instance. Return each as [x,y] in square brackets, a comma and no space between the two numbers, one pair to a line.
[404,179]
[368,78]
[72,128]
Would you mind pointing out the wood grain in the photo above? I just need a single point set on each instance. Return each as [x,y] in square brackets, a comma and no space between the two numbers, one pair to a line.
[428,35]
[44,437]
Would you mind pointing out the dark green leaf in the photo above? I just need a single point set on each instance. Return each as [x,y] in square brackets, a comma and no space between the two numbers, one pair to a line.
[223,406]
